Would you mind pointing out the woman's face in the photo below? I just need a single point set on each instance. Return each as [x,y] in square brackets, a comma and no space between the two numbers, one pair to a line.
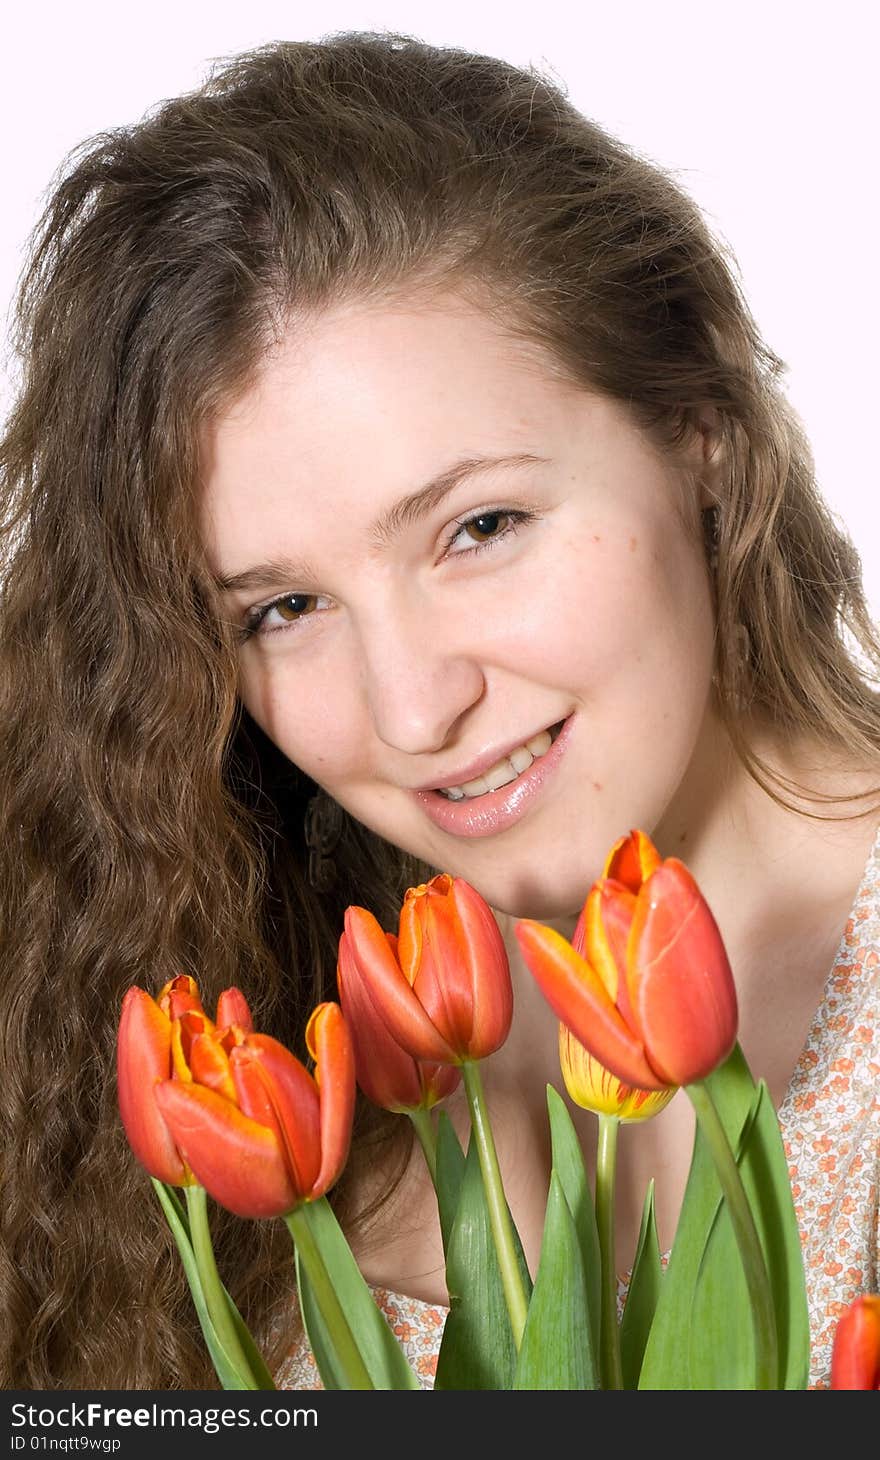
[464,553]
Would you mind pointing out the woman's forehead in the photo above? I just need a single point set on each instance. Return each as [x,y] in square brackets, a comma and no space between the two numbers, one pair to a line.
[403,341]
[397,390]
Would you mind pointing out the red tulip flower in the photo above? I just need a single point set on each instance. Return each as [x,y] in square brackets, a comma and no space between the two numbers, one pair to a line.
[855,1357]
[651,996]
[444,992]
[386,1073]
[259,1132]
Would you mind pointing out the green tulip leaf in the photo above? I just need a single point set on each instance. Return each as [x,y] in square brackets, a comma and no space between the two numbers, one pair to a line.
[699,1259]
[259,1368]
[258,1365]
[477,1349]
[380,1351]
[450,1170]
[557,1349]
[722,1310]
[642,1295]
[768,1183]
[227,1372]
[722,1350]
[568,1163]
[666,1361]
[332,1372]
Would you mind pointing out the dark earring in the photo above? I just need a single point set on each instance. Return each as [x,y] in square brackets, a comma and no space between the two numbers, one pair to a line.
[712,534]
[324,820]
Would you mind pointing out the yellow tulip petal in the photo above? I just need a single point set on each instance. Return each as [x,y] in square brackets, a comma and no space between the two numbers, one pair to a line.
[593,1087]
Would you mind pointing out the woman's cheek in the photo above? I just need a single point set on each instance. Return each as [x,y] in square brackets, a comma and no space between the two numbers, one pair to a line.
[309,709]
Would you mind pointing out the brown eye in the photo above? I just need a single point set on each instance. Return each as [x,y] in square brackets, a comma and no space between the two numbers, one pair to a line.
[295,605]
[486,525]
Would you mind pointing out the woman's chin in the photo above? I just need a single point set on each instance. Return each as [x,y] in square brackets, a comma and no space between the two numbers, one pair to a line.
[560,906]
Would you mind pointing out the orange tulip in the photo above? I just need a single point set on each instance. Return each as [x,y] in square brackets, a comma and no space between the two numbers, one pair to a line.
[387,1074]
[652,995]
[149,1033]
[444,993]
[259,1132]
[855,1356]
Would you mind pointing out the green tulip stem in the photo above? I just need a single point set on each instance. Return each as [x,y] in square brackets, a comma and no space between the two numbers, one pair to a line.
[746,1233]
[496,1202]
[338,1329]
[215,1298]
[609,1332]
[424,1129]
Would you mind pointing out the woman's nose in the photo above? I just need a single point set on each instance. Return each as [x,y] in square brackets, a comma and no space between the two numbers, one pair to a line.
[420,676]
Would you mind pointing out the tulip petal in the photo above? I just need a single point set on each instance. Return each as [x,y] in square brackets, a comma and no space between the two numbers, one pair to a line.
[185,1027]
[610,908]
[438,1082]
[209,1064]
[592,1087]
[329,1043]
[631,860]
[491,993]
[578,997]
[679,978]
[600,944]
[411,933]
[438,963]
[434,962]
[387,1074]
[143,1060]
[232,1008]
[237,1160]
[276,1089]
[387,986]
[855,1356]
[178,995]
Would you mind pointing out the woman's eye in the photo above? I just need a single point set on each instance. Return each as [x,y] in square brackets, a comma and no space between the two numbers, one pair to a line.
[485,528]
[487,525]
[290,609]
[294,606]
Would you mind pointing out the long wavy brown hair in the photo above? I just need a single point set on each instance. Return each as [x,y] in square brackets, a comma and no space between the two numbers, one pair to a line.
[148,826]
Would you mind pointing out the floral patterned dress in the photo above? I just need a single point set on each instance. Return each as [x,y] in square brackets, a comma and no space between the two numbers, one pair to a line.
[830,1123]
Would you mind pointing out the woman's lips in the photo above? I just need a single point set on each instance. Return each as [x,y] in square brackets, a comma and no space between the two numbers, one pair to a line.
[495,810]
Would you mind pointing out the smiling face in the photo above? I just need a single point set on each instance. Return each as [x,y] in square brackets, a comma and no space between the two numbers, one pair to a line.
[546,577]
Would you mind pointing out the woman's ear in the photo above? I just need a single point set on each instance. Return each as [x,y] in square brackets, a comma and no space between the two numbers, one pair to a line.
[708,454]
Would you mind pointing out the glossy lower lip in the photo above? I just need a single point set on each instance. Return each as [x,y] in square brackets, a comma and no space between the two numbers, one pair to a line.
[494,812]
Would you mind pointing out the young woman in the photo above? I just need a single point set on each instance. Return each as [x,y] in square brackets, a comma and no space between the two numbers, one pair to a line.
[400,483]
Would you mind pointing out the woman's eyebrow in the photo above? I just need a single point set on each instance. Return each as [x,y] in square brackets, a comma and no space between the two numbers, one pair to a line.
[263,575]
[402,514]
[413,508]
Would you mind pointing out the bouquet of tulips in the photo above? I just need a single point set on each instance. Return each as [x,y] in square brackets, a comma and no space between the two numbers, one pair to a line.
[646,1003]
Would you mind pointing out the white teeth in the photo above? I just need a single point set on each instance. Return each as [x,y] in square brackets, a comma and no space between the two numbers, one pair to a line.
[504,771]
[501,775]
[521,759]
[540,743]
[477,787]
